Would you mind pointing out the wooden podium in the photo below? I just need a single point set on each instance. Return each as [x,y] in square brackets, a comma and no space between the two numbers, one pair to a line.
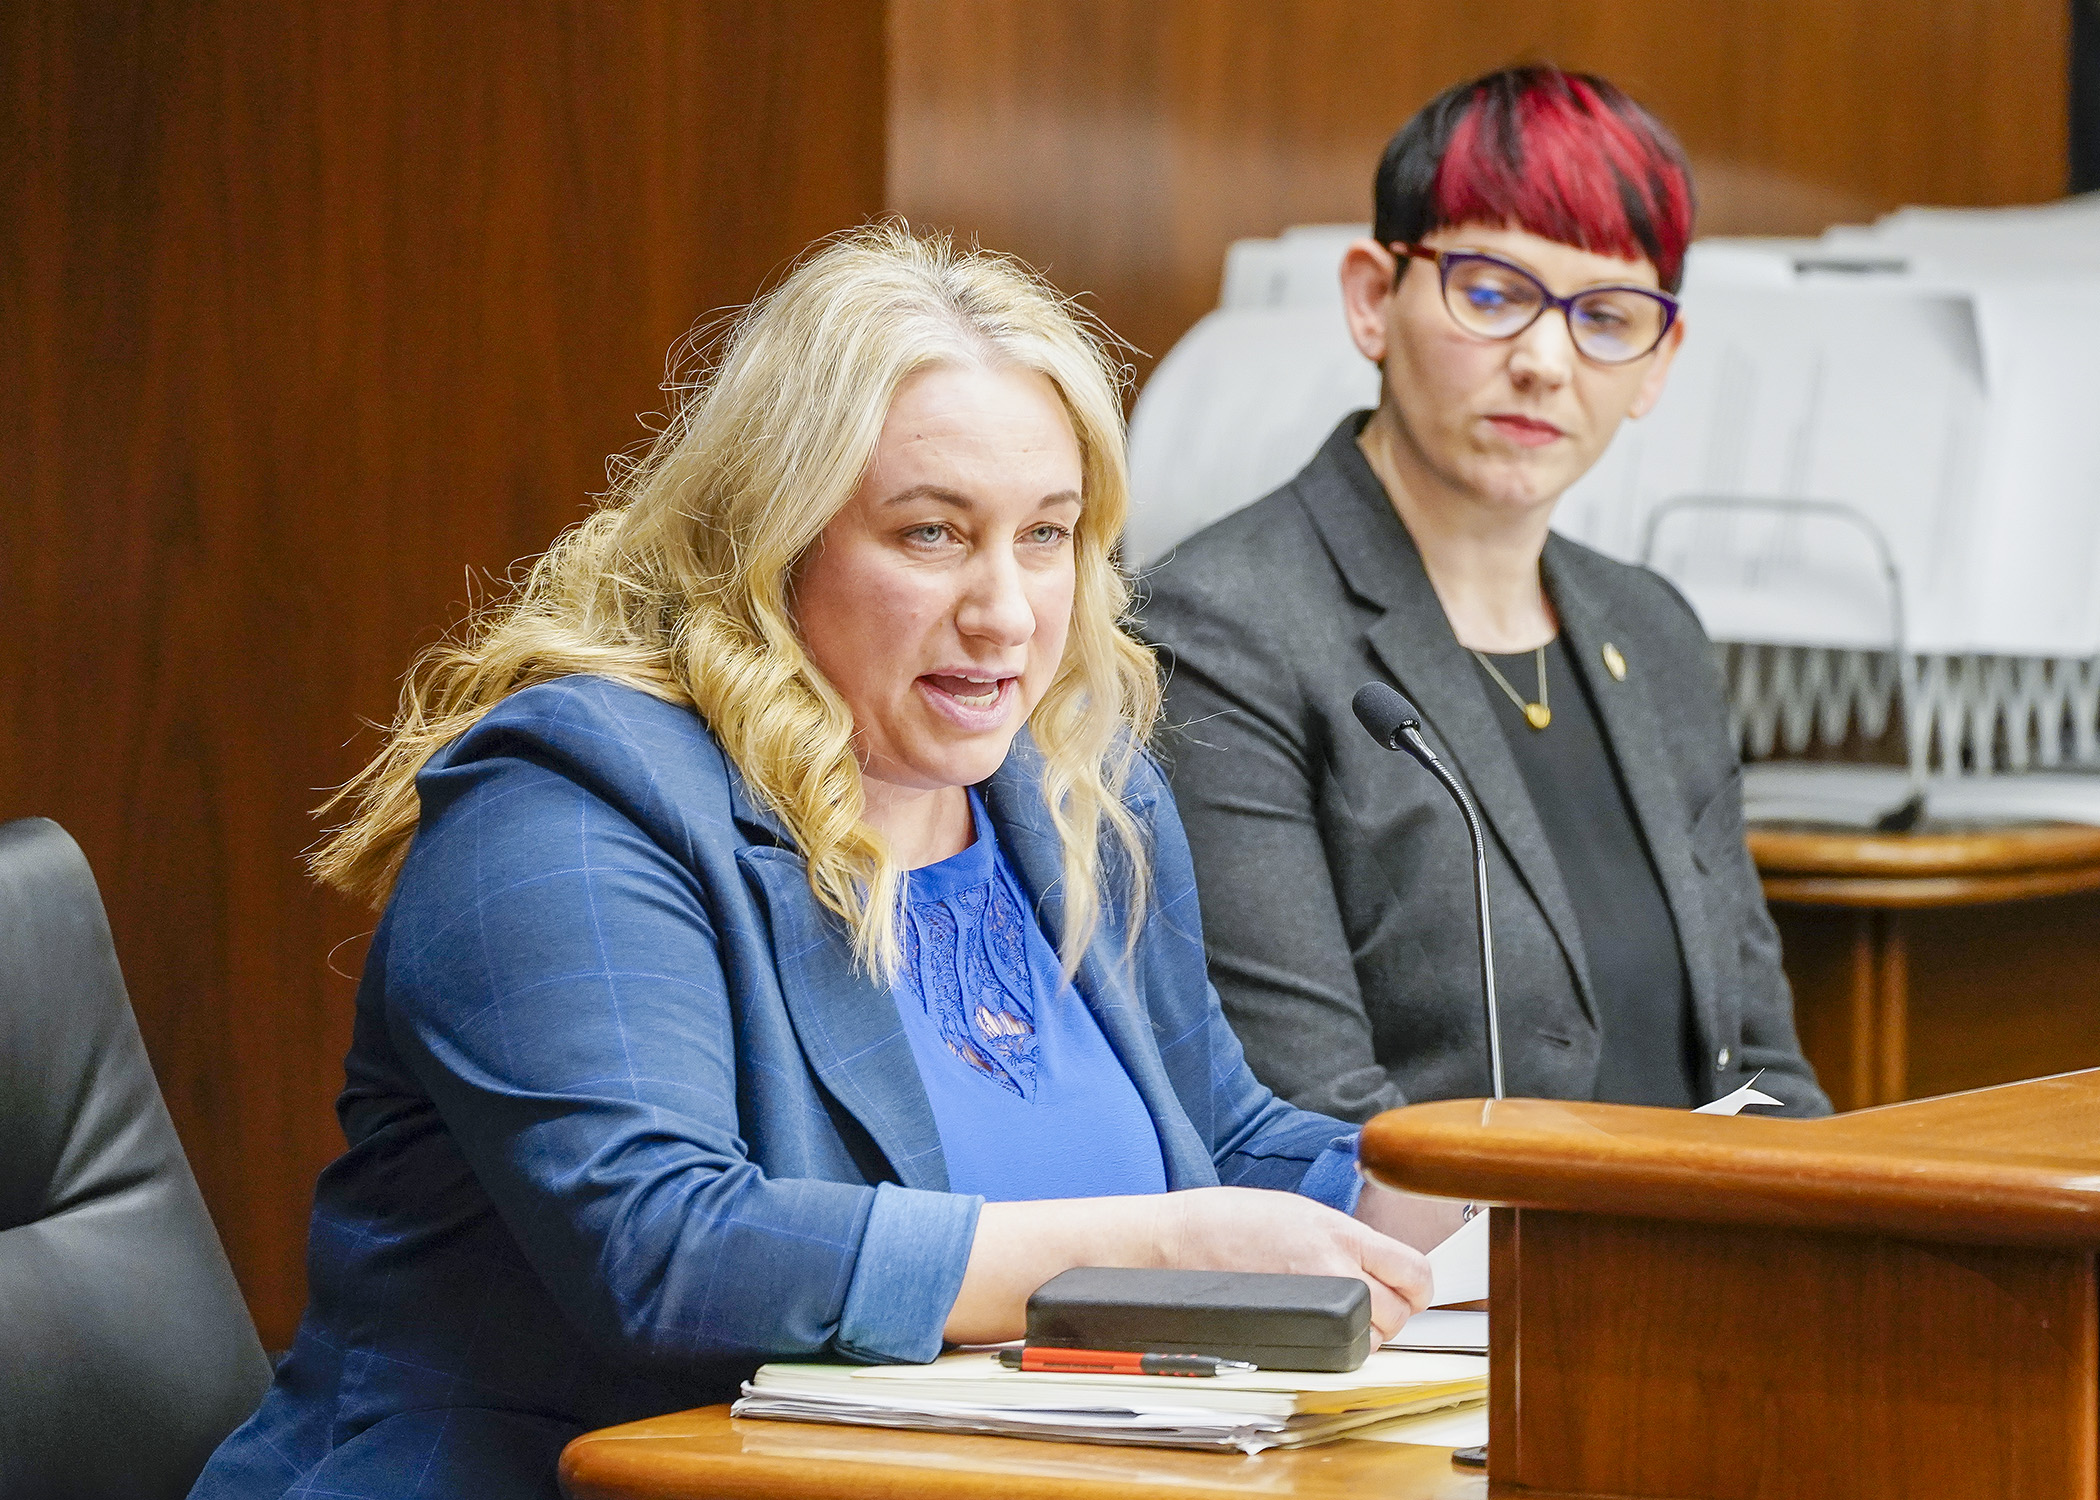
[1895,1302]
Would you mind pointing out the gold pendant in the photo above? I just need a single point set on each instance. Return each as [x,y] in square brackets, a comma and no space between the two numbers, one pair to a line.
[1537,715]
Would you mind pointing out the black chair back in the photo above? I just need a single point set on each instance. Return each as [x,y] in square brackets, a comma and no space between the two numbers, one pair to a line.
[126,1352]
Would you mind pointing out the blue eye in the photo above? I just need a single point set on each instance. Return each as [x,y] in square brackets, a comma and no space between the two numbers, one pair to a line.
[1486,298]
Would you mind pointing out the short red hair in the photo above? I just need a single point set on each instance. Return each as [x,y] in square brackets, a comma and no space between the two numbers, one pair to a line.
[1564,155]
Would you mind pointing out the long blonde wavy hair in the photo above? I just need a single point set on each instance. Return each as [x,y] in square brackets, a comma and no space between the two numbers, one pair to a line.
[681,583]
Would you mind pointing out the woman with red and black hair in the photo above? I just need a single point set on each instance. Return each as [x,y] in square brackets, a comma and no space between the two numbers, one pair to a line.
[1517,296]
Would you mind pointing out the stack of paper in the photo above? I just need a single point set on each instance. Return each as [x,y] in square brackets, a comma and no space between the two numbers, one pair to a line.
[1844,795]
[1455,1427]
[972,1392]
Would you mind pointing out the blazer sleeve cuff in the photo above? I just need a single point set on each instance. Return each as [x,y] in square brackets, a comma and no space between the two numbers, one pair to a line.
[910,1271]
[1332,1179]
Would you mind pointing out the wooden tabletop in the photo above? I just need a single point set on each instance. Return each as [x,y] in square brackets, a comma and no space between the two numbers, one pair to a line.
[1929,867]
[2018,1165]
[703,1453]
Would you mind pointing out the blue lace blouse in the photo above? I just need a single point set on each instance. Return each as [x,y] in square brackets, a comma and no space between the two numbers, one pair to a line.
[1030,1099]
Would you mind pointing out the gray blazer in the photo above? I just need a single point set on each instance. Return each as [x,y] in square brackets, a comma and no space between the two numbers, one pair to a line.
[1335,876]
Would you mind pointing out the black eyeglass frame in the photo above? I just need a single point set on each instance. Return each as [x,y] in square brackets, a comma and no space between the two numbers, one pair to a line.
[1444,260]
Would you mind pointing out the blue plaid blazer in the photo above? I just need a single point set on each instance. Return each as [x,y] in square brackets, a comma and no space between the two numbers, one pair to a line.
[624,1121]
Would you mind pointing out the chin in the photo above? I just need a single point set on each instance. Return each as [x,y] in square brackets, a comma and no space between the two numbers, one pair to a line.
[966,763]
[1524,486]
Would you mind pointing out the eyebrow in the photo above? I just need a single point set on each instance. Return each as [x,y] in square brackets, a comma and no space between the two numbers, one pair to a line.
[941,494]
[1540,276]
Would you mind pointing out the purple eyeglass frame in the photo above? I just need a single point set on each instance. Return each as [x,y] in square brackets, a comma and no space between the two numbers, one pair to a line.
[1443,259]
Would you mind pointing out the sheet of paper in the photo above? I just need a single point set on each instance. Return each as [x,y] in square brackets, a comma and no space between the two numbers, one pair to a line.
[1443,1328]
[1855,795]
[979,1378]
[1740,1100]
[1455,1427]
[1460,1264]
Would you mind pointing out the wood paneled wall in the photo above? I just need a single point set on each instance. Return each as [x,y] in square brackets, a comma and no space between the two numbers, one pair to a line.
[1122,144]
[307,311]
[311,312]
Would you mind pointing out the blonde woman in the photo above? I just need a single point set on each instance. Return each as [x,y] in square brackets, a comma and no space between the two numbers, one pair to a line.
[788,950]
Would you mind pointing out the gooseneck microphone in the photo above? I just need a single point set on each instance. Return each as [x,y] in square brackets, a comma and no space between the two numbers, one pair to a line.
[1393,722]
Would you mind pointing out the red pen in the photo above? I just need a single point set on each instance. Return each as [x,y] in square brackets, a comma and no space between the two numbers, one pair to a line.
[1117,1362]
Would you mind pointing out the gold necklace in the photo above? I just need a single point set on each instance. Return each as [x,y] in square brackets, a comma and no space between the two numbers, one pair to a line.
[1538,715]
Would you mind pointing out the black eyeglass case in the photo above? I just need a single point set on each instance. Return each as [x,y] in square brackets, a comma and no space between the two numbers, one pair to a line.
[1277,1322]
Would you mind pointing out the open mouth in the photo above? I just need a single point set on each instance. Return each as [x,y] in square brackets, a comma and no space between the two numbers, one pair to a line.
[972,701]
[970,692]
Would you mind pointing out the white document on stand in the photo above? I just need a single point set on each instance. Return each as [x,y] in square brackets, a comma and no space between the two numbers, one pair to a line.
[1460,1263]
[1740,1100]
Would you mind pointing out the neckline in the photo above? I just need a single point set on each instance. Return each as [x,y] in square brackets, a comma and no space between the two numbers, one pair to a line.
[1525,655]
[962,871]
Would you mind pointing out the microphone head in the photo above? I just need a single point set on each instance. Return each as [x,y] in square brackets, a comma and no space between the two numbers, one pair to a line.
[1382,711]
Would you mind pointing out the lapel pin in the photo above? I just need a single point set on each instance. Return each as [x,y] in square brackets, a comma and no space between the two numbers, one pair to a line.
[1614,663]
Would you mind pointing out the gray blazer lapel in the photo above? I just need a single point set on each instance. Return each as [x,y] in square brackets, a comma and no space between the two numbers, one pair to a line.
[847,1023]
[1414,640]
[1632,726]
[1014,799]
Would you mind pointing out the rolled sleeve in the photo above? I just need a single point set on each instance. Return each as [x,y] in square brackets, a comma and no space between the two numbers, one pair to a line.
[1333,1179]
[908,1275]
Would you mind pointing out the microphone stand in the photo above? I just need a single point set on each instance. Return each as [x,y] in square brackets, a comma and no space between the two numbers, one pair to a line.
[1419,748]
[1393,722]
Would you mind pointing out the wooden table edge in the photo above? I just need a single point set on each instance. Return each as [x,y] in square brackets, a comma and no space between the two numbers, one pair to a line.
[1917,1171]
[1909,893]
[703,1452]
[2014,849]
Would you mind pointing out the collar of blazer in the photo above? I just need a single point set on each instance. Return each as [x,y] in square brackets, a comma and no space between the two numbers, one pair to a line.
[847,1022]
[1380,563]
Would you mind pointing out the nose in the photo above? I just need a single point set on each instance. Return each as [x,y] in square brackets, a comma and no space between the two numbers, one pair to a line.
[1544,354]
[994,608]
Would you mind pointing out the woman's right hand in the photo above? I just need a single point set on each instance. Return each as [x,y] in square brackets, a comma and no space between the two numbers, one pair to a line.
[1256,1229]
[1021,1245]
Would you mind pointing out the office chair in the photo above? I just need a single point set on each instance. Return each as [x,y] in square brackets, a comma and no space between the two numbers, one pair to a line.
[126,1352]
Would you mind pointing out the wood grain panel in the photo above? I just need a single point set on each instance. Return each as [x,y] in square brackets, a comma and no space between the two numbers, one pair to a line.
[1826,961]
[1122,144]
[1996,993]
[1875,1306]
[2005,992]
[310,314]
[1680,1359]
